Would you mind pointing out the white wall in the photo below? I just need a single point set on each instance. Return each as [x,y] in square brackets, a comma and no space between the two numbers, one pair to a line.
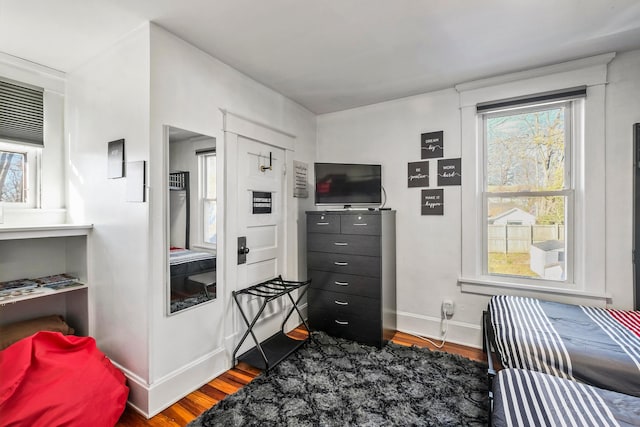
[622,111]
[188,89]
[429,247]
[108,99]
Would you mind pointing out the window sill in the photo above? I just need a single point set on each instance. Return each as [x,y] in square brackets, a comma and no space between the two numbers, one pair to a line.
[485,286]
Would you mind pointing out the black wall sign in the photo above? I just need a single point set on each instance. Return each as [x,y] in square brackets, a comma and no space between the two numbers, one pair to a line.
[432,202]
[449,172]
[418,174]
[432,145]
[261,202]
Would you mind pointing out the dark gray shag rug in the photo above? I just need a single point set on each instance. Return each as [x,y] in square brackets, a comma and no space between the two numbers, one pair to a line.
[335,382]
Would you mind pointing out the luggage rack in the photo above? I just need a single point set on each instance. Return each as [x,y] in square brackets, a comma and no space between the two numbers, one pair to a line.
[276,348]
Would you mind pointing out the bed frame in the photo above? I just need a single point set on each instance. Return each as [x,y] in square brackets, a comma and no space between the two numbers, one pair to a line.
[488,346]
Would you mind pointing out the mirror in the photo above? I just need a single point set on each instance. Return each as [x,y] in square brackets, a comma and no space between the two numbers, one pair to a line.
[192,219]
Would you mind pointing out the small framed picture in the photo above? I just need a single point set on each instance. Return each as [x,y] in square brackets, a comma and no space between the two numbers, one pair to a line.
[432,145]
[418,174]
[115,159]
[432,202]
[449,172]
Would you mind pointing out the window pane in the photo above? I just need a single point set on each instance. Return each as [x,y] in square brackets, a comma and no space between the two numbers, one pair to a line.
[526,151]
[526,237]
[209,225]
[12,177]
[210,183]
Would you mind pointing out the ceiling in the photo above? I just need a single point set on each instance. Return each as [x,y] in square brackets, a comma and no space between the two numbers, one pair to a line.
[331,55]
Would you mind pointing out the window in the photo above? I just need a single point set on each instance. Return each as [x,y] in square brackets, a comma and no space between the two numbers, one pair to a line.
[208,197]
[18,166]
[528,192]
[21,140]
[13,177]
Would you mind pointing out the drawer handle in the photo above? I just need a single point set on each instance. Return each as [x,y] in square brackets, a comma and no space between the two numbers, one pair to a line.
[342,322]
[340,263]
[341,244]
[341,283]
[360,223]
[322,223]
[341,302]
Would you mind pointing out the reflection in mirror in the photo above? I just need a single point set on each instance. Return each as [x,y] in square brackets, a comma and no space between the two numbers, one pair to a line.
[192,219]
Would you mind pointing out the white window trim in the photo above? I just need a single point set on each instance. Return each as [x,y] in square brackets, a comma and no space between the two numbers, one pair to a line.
[202,159]
[588,173]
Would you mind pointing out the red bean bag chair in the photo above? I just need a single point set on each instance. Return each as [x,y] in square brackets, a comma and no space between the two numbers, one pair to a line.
[50,379]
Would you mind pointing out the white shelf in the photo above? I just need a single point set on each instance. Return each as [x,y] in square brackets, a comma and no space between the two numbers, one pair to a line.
[8,232]
[37,293]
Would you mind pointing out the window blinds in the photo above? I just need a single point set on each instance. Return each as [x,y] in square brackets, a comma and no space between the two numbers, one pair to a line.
[21,114]
[557,95]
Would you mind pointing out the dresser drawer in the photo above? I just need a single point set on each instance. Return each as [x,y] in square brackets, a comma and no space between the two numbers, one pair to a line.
[360,224]
[323,223]
[345,283]
[344,244]
[337,305]
[359,322]
[347,264]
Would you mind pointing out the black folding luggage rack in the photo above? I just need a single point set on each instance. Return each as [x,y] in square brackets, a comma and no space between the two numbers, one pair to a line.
[276,348]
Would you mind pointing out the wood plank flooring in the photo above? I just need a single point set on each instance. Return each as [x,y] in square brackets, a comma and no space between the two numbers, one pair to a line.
[188,408]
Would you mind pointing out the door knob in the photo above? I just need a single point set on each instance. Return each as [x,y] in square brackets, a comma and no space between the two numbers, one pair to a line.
[243,251]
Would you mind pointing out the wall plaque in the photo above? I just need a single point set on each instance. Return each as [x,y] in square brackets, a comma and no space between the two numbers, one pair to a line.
[432,202]
[261,202]
[418,174]
[449,172]
[301,173]
[432,145]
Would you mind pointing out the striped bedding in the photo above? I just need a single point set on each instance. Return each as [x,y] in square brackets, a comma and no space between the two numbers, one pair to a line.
[528,398]
[596,346]
[184,262]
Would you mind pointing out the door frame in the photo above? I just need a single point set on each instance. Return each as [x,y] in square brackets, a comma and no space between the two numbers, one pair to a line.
[235,126]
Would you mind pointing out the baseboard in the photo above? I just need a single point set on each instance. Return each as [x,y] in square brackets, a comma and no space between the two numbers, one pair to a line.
[463,333]
[138,391]
[173,387]
[151,399]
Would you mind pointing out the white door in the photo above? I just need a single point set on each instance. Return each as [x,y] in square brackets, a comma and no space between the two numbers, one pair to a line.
[260,211]
[260,219]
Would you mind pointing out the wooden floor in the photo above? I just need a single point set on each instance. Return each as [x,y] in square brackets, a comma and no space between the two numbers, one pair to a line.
[188,408]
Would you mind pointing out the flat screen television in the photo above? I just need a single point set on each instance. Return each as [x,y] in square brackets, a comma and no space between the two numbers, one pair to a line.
[348,184]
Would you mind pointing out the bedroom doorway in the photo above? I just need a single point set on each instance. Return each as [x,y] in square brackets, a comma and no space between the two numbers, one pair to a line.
[193,237]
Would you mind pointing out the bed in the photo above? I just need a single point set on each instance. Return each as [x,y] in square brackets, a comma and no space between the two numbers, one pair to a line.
[595,346]
[185,262]
[50,377]
[529,398]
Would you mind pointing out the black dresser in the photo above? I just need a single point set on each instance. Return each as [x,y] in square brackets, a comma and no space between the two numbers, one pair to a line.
[351,257]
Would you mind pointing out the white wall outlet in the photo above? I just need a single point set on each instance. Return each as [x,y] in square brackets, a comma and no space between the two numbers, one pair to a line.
[447,307]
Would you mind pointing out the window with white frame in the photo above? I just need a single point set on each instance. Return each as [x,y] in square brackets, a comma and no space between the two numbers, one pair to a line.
[208,197]
[517,191]
[21,140]
[528,190]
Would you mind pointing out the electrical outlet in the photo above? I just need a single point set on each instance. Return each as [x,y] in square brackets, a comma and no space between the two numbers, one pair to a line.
[447,307]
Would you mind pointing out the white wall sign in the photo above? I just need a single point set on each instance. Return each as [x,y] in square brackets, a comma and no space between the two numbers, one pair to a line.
[300,176]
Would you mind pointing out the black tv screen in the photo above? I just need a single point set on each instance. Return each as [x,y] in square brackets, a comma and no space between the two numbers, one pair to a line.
[348,184]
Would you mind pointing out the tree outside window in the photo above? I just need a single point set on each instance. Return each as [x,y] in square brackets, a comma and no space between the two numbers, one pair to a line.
[13,177]
[528,191]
